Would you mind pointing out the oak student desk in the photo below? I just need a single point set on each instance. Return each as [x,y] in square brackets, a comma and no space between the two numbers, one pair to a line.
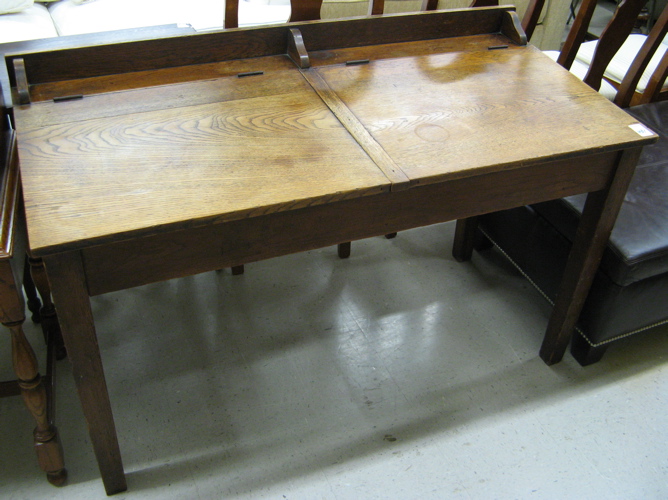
[162,158]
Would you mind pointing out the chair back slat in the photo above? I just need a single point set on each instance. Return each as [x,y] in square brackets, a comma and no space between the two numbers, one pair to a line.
[613,36]
[653,92]
[484,3]
[626,95]
[231,14]
[429,4]
[531,16]
[577,33]
[376,7]
[305,10]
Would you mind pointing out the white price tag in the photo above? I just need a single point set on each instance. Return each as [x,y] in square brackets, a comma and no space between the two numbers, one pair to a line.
[641,130]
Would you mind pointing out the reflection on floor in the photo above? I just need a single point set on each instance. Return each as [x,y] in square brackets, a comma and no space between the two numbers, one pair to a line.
[398,373]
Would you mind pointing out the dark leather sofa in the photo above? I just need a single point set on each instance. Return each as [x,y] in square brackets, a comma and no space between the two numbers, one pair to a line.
[630,290]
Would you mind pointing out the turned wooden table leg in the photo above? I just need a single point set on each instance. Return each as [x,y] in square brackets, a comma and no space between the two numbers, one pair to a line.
[70,294]
[47,444]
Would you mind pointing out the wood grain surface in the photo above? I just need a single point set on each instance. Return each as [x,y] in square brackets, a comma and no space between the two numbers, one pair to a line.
[446,115]
[190,154]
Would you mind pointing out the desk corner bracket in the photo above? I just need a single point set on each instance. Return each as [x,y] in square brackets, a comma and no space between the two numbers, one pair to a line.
[22,86]
[297,50]
[511,26]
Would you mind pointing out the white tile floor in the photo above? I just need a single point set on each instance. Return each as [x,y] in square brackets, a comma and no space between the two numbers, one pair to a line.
[396,374]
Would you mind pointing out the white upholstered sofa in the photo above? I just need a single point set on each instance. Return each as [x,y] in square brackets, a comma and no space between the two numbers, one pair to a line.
[29,19]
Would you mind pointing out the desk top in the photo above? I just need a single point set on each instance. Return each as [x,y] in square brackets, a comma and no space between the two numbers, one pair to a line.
[211,146]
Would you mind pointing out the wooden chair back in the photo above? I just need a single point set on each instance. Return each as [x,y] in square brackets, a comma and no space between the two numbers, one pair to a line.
[627,95]
[612,37]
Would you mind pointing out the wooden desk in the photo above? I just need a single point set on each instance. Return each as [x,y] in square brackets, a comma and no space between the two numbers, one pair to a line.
[213,150]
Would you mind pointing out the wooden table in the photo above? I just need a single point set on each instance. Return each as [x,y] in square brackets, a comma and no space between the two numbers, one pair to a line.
[164,158]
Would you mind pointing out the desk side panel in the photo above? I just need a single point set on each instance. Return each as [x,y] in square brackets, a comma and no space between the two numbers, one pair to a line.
[132,263]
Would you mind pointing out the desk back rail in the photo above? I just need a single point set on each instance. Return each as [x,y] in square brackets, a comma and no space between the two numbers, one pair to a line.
[77,61]
[84,40]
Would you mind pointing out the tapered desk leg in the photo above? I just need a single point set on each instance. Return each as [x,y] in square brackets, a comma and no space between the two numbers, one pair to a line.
[598,218]
[12,314]
[70,294]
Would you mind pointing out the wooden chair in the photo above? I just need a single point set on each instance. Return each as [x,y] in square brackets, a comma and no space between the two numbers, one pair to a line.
[630,290]
[37,391]
[629,93]
[592,61]
[620,64]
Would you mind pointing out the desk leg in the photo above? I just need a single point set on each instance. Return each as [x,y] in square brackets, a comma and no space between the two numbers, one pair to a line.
[598,218]
[462,248]
[12,314]
[70,294]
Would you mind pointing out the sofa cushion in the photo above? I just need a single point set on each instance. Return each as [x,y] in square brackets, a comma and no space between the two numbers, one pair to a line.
[638,247]
[29,24]
[14,6]
[94,16]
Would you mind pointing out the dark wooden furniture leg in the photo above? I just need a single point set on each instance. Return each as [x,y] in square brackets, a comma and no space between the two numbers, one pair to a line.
[465,232]
[33,391]
[598,218]
[343,249]
[34,304]
[47,314]
[584,352]
[68,282]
